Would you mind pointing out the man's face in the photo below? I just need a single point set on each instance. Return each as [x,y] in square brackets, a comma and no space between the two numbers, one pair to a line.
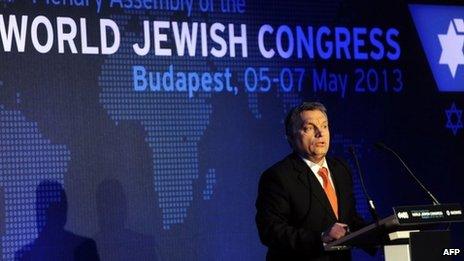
[311,136]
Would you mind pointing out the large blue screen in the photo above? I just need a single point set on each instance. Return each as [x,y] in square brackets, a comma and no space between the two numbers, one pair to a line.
[146,124]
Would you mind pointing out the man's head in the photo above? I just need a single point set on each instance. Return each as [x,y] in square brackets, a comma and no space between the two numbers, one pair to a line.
[307,130]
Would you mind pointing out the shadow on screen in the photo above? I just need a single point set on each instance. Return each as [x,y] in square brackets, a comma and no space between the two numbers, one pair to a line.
[53,241]
[114,240]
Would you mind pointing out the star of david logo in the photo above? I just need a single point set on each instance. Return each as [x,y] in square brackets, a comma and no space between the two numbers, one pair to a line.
[452,44]
[454,123]
[441,33]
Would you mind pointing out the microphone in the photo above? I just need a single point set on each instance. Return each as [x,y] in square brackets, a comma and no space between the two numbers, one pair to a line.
[370,202]
[380,145]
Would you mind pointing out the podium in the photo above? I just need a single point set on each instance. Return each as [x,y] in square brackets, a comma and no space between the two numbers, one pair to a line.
[408,235]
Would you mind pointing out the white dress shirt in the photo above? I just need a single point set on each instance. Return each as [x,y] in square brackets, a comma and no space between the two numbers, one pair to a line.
[315,169]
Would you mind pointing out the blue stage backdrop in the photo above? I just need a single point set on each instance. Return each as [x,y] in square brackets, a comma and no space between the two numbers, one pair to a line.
[145,124]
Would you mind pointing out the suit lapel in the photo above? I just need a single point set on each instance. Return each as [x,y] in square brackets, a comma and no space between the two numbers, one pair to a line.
[301,169]
[307,177]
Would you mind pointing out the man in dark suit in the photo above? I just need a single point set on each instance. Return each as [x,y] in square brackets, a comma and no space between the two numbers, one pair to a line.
[306,199]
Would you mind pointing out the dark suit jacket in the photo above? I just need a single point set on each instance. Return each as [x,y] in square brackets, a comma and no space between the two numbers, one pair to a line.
[293,209]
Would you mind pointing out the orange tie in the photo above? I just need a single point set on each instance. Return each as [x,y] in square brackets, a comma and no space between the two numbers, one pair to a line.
[329,189]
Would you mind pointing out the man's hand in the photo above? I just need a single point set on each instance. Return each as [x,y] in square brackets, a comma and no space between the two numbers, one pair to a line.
[335,232]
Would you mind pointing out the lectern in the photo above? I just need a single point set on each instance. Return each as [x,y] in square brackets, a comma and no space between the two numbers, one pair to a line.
[410,234]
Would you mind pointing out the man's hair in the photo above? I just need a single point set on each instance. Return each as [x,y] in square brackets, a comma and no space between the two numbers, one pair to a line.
[294,115]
